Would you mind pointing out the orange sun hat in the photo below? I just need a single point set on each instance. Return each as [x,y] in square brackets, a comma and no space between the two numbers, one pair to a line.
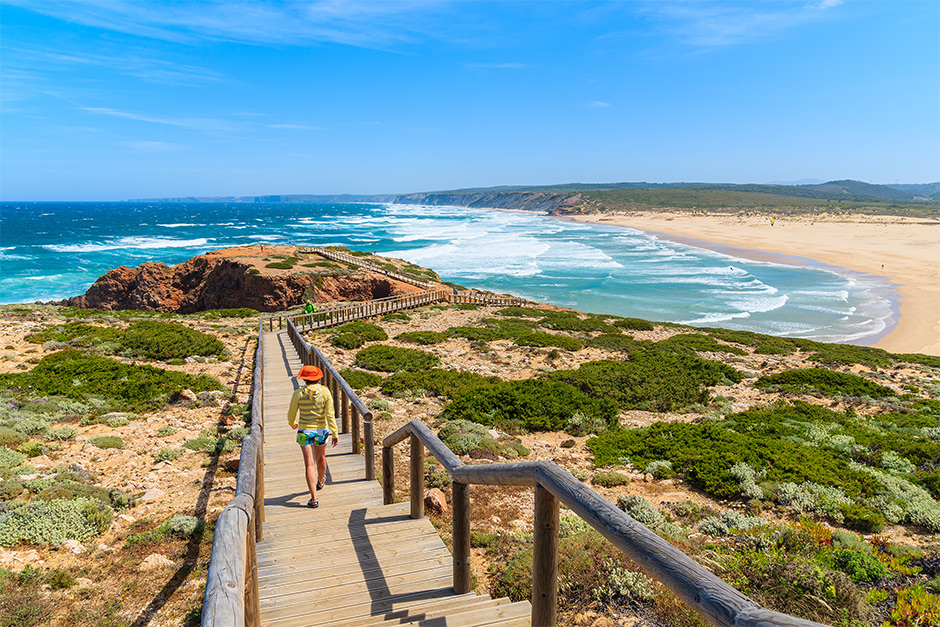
[310,373]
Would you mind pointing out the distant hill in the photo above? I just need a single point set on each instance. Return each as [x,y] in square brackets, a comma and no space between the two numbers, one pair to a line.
[549,197]
[929,191]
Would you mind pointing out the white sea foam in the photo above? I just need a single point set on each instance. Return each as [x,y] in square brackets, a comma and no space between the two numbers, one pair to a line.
[181,224]
[128,243]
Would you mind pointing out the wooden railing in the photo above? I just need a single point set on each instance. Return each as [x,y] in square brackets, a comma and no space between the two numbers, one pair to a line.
[356,261]
[715,600]
[346,403]
[367,309]
[231,596]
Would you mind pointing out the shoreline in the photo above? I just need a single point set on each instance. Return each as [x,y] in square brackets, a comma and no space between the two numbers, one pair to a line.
[904,251]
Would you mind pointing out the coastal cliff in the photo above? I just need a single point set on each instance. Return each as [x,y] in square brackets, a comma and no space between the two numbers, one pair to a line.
[542,202]
[231,278]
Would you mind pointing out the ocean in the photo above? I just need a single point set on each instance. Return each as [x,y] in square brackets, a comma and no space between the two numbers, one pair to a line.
[50,251]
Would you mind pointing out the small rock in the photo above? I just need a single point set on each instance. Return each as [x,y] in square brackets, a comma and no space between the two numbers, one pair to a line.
[151,495]
[186,396]
[73,546]
[84,582]
[648,478]
[156,561]
[232,464]
[435,500]
[126,518]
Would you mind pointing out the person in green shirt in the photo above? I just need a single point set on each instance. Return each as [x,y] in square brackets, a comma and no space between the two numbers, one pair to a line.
[316,425]
[309,307]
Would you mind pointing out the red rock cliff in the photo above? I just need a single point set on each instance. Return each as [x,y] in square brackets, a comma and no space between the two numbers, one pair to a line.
[217,281]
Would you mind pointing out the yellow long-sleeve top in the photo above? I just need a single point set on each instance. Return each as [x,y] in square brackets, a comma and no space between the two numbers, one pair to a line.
[316,408]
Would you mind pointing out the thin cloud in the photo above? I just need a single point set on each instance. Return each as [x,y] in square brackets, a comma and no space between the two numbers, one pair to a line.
[202,124]
[718,24]
[598,104]
[364,23]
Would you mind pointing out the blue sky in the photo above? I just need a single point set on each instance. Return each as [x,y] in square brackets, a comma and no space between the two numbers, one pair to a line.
[115,99]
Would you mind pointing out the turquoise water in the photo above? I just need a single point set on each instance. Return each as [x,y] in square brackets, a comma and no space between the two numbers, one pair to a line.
[50,251]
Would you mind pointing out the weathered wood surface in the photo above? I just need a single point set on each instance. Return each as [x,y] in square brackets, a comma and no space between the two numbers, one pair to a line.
[352,560]
[711,597]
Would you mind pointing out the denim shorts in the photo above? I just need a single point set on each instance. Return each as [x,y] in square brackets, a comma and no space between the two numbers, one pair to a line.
[316,437]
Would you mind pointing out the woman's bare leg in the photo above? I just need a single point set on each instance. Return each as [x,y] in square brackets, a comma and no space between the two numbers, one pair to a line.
[310,470]
[320,452]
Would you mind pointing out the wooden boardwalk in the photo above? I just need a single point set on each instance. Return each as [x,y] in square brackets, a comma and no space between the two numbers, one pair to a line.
[352,561]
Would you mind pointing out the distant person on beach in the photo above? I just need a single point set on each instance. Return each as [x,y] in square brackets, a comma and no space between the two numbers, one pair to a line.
[317,424]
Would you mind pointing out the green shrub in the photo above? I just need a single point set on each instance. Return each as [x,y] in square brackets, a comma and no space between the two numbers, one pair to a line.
[449,383]
[640,509]
[634,324]
[238,312]
[690,343]
[480,334]
[916,607]
[396,317]
[846,354]
[10,438]
[32,449]
[358,380]
[116,421]
[78,375]
[53,522]
[548,339]
[579,424]
[618,342]
[521,312]
[654,381]
[166,431]
[859,565]
[529,405]
[168,454]
[348,341]
[10,458]
[365,331]
[574,323]
[285,264]
[822,381]
[392,359]
[424,338]
[69,490]
[162,340]
[464,437]
[610,479]
[63,433]
[764,344]
[107,441]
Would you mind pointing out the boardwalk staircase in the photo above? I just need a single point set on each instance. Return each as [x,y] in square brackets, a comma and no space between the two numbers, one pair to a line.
[360,558]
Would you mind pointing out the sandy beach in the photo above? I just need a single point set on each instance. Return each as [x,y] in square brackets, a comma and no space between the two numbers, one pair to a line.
[906,250]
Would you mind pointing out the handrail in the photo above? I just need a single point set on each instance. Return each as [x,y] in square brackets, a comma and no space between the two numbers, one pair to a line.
[231,596]
[356,261]
[346,403]
[715,600]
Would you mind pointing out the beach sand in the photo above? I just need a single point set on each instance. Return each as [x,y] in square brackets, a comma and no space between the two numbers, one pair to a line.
[906,250]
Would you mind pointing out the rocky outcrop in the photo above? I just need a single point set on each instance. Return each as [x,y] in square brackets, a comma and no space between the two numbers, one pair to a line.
[214,281]
[547,202]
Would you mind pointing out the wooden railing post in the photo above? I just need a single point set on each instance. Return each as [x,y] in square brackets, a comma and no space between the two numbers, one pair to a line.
[388,475]
[460,493]
[252,596]
[417,477]
[345,407]
[545,559]
[356,447]
[369,437]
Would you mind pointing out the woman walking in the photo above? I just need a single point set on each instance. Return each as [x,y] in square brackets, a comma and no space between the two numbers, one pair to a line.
[317,424]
